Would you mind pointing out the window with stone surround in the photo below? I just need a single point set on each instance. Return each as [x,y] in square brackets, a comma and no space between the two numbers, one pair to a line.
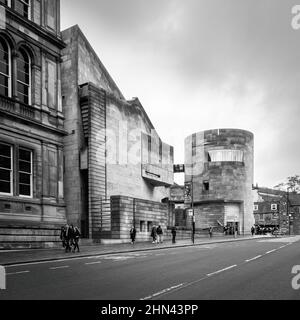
[50,14]
[6,169]
[5,68]
[25,172]
[22,173]
[24,77]
[23,8]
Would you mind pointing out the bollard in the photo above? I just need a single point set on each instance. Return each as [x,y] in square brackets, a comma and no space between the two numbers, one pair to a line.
[2,278]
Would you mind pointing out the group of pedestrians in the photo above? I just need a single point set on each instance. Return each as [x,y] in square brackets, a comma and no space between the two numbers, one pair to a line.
[69,236]
[156,234]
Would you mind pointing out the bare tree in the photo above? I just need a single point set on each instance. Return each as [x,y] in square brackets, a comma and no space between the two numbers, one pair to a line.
[292,184]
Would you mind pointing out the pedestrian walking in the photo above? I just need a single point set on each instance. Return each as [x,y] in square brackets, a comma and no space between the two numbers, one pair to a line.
[76,236]
[68,237]
[62,236]
[132,234]
[210,231]
[153,234]
[252,230]
[159,234]
[173,231]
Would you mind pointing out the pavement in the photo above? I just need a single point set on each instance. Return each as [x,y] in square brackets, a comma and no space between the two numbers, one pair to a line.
[20,256]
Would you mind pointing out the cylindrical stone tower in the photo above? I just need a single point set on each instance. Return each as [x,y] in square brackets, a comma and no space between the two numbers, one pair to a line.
[219,173]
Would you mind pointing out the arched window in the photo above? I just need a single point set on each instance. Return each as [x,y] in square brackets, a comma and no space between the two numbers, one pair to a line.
[24,77]
[5,68]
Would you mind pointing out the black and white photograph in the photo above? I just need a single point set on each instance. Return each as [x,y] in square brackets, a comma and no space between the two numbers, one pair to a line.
[149,154]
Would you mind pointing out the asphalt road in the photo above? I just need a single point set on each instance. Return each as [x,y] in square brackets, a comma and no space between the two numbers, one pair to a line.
[255,269]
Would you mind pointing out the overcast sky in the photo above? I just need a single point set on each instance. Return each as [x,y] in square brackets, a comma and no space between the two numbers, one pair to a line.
[205,64]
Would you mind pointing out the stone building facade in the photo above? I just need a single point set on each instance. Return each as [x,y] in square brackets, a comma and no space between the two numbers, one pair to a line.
[219,171]
[32,206]
[118,169]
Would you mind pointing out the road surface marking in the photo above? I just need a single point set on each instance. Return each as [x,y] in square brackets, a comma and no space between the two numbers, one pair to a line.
[271,251]
[162,291]
[95,262]
[19,272]
[60,267]
[210,274]
[254,258]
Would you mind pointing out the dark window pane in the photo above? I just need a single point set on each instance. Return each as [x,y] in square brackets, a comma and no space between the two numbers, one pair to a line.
[24,190]
[23,77]
[22,89]
[5,150]
[3,91]
[25,166]
[24,178]
[24,155]
[3,1]
[4,175]
[3,80]
[22,7]
[4,187]
[5,162]
[4,67]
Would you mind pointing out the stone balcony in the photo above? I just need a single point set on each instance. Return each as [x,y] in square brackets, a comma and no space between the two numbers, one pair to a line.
[158,175]
[41,116]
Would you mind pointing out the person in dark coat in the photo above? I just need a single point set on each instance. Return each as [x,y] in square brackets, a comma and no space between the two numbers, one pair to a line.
[210,231]
[252,230]
[62,236]
[159,234]
[153,234]
[76,236]
[68,237]
[173,231]
[132,234]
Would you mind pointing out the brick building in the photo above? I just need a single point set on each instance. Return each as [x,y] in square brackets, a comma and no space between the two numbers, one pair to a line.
[277,209]
[118,171]
[31,123]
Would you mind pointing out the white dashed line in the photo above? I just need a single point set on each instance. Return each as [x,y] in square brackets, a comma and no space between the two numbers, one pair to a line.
[60,267]
[271,251]
[259,256]
[163,291]
[19,272]
[210,274]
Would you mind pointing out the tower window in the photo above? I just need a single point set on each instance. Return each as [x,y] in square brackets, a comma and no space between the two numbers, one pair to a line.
[205,185]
